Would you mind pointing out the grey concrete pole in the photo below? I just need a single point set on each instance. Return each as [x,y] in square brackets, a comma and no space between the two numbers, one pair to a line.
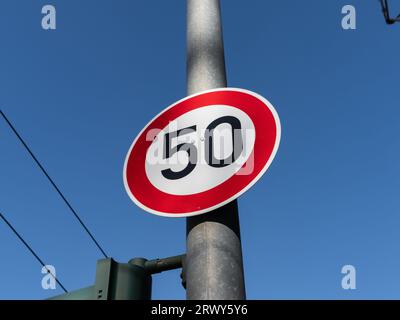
[214,266]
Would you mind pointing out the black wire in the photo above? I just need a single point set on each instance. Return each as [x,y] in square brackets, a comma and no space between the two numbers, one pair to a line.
[53,184]
[386,13]
[385,8]
[32,251]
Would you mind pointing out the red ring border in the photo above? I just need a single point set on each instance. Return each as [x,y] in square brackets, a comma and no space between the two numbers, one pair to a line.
[156,201]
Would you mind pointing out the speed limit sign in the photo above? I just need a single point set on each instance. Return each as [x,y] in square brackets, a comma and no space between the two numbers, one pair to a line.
[202,152]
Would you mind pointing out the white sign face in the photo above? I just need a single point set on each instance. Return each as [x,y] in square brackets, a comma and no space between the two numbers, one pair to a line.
[202,152]
[203,176]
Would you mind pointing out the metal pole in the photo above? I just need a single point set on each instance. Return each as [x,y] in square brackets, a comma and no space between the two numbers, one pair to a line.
[166,264]
[214,266]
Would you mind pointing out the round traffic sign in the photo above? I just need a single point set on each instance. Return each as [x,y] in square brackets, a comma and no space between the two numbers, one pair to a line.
[202,152]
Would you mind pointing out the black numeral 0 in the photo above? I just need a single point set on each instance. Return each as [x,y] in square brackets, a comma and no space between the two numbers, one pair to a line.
[237,142]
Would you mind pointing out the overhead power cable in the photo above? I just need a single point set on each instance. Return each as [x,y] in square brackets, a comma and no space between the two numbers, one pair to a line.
[53,184]
[386,13]
[32,251]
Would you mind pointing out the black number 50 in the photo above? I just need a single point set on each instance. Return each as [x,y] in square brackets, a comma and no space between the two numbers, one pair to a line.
[190,148]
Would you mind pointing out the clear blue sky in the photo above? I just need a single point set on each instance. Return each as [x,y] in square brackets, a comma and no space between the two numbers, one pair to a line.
[80,94]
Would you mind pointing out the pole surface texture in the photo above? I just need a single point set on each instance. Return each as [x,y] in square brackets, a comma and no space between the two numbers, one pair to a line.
[214,266]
